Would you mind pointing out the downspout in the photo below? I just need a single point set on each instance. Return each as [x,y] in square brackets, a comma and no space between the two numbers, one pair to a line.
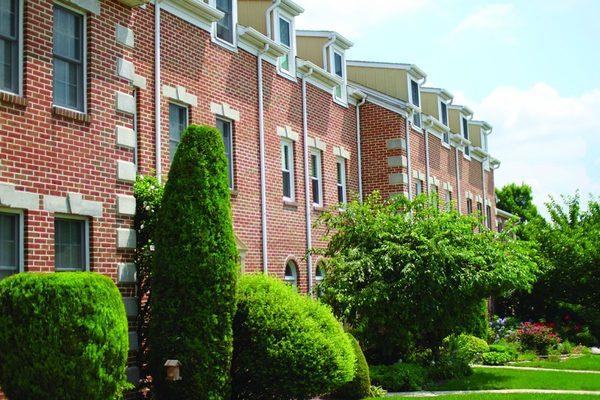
[263,185]
[307,201]
[135,129]
[275,4]
[483,188]
[157,84]
[457,180]
[427,159]
[408,163]
[358,148]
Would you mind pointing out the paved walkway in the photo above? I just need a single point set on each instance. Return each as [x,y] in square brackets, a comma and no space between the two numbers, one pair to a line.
[576,371]
[501,391]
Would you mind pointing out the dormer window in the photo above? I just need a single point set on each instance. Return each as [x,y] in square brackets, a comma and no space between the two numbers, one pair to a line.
[225,27]
[415,100]
[465,129]
[338,70]
[444,121]
[284,37]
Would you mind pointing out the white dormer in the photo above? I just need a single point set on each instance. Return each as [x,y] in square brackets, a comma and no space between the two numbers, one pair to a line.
[459,126]
[224,31]
[435,102]
[281,28]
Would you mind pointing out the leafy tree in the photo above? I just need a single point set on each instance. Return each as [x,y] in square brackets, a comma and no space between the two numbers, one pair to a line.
[517,200]
[192,300]
[404,275]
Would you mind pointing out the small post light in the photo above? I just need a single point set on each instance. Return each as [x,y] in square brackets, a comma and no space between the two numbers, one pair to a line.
[173,367]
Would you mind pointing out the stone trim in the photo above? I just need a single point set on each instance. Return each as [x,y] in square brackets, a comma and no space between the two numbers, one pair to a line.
[225,110]
[179,94]
[469,195]
[317,143]
[393,144]
[126,205]
[434,181]
[419,175]
[341,152]
[12,198]
[126,238]
[125,137]
[126,171]
[397,179]
[73,204]
[126,273]
[126,70]
[125,103]
[92,6]
[397,161]
[478,199]
[287,133]
[124,36]
[447,186]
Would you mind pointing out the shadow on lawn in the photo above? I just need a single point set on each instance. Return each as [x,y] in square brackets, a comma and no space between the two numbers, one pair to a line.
[481,380]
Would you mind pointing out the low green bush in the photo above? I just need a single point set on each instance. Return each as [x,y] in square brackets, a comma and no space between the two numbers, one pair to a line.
[399,376]
[496,358]
[377,391]
[586,338]
[506,347]
[359,387]
[456,355]
[62,336]
[472,347]
[286,346]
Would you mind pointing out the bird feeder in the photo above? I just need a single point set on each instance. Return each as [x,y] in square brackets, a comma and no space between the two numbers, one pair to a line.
[173,370]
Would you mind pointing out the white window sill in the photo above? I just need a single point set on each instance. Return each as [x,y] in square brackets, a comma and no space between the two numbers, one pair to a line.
[468,157]
[340,101]
[446,145]
[226,45]
[286,75]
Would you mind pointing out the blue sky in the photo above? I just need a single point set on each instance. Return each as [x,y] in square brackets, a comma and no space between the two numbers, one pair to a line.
[531,68]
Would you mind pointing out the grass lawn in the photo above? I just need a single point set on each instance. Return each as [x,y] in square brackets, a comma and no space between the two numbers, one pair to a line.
[515,396]
[497,378]
[587,362]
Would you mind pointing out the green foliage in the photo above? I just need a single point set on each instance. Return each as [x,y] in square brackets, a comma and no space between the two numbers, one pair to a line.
[359,387]
[517,200]
[404,275]
[496,358]
[148,194]
[194,274]
[62,336]
[472,347]
[456,355]
[586,338]
[537,336]
[399,376]
[377,391]
[286,346]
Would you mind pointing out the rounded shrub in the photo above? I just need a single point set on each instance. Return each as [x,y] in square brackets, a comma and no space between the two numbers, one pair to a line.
[193,281]
[359,387]
[399,376]
[286,346]
[472,347]
[62,336]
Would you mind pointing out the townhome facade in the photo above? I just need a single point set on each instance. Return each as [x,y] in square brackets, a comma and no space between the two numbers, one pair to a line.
[93,93]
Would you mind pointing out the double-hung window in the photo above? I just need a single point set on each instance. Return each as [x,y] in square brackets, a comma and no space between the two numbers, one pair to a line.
[69,59]
[444,120]
[465,129]
[284,37]
[178,121]
[338,70]
[225,127]
[316,177]
[9,45]
[225,27]
[11,244]
[291,274]
[418,187]
[341,180]
[479,208]
[287,169]
[415,99]
[434,192]
[71,244]
[448,200]
[488,217]
[469,206]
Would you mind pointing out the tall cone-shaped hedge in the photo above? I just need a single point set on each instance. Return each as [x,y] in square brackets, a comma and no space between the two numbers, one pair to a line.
[192,299]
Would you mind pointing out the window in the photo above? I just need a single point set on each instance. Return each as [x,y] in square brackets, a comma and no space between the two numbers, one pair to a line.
[448,200]
[226,25]
[500,226]
[224,127]
[465,129]
[285,38]
[418,187]
[469,206]
[488,217]
[69,59]
[291,274]
[479,208]
[70,244]
[287,169]
[444,120]
[316,177]
[319,276]
[9,45]
[434,192]
[415,100]
[341,180]
[178,121]
[11,244]
[338,69]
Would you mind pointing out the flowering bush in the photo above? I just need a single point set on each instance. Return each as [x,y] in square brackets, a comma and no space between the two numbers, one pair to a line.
[503,328]
[537,336]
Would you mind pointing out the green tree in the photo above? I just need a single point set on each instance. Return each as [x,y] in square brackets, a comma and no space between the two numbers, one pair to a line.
[192,300]
[517,200]
[404,275]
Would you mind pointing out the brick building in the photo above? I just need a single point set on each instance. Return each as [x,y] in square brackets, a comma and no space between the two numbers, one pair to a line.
[94,92]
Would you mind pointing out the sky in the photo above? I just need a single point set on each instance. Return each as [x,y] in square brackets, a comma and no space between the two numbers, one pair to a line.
[531,68]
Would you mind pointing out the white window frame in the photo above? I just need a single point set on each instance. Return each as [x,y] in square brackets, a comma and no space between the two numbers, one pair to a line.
[333,50]
[319,278]
[84,58]
[341,162]
[231,182]
[21,238]
[445,134]
[86,240]
[290,144]
[411,100]
[291,73]
[464,124]
[319,178]
[469,211]
[292,279]
[20,22]
[234,22]
[418,187]
[448,200]
[187,123]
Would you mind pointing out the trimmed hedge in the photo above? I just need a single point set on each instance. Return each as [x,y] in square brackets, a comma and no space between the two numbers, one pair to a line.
[62,336]
[398,377]
[359,387]
[192,299]
[286,346]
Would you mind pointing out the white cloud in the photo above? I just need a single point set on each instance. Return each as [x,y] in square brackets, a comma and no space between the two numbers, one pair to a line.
[492,16]
[351,17]
[549,141]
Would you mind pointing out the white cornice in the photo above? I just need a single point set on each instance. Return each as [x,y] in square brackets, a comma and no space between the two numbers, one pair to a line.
[411,69]
[442,93]
[319,74]
[433,123]
[479,152]
[503,214]
[462,109]
[259,41]
[340,40]
[290,7]
[195,12]
[383,100]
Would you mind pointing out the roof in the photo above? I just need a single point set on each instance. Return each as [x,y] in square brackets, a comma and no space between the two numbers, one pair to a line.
[410,68]
[340,40]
